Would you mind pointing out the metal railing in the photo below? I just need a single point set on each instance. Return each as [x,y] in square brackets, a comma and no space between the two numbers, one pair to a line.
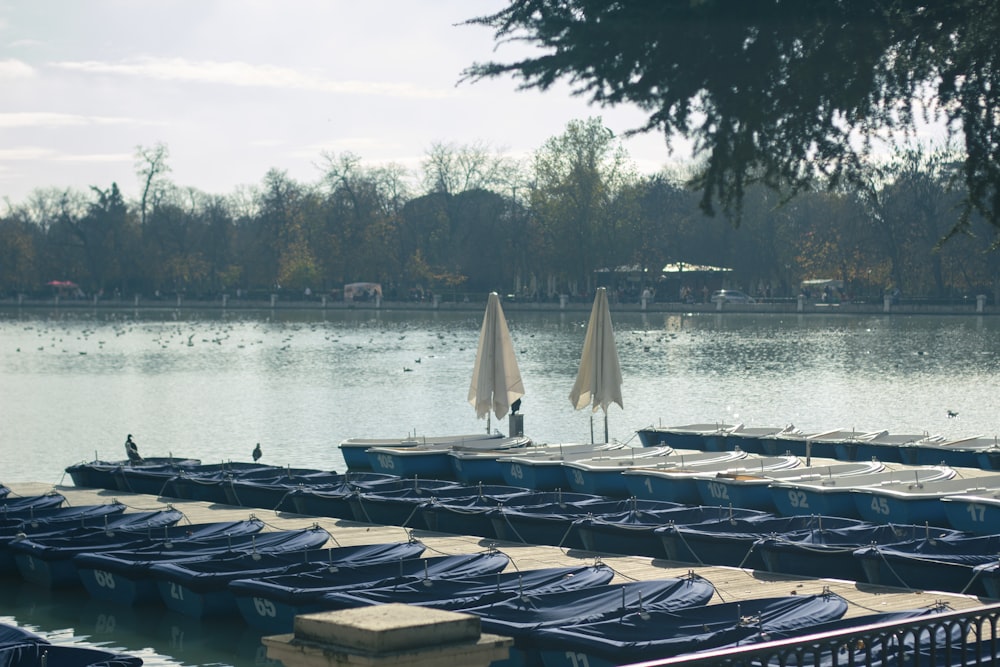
[950,638]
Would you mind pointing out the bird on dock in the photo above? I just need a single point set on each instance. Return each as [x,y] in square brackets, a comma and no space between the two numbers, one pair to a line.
[257,453]
[952,414]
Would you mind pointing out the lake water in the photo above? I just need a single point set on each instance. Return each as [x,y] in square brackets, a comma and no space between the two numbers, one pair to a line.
[210,385]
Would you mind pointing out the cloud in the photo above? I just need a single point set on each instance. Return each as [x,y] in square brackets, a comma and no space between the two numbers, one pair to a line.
[38,153]
[49,119]
[247,75]
[15,69]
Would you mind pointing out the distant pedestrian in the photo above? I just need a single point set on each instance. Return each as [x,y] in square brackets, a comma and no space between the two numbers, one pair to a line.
[257,453]
[132,451]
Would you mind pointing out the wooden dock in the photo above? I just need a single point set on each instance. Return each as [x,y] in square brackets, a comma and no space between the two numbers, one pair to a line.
[732,584]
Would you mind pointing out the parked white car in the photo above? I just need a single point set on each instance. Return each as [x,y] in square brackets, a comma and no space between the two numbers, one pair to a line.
[731,296]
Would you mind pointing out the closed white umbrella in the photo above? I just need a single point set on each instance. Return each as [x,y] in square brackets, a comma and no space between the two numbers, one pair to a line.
[496,379]
[599,380]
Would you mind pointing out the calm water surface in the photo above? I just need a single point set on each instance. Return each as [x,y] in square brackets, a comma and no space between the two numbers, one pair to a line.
[211,385]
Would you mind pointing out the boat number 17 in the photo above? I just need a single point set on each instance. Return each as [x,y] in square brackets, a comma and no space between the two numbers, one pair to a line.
[577,659]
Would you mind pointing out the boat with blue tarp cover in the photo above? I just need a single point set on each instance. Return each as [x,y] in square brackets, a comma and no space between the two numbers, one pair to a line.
[399,507]
[918,502]
[24,506]
[834,496]
[48,561]
[210,484]
[549,517]
[201,588]
[752,490]
[828,551]
[136,523]
[465,515]
[648,634]
[274,492]
[472,592]
[355,450]
[159,480]
[125,577]
[633,532]
[270,604]
[98,474]
[677,484]
[945,563]
[21,648]
[520,616]
[602,475]
[488,466]
[731,541]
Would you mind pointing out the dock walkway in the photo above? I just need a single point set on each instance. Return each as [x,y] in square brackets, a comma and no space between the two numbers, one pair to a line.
[732,584]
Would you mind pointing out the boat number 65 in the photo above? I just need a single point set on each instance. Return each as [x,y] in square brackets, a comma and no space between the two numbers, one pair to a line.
[264,607]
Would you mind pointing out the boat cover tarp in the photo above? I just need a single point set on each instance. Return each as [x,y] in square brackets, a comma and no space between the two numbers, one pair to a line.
[216,572]
[731,542]
[518,616]
[61,517]
[455,594]
[34,654]
[18,506]
[135,562]
[12,634]
[58,548]
[296,589]
[652,633]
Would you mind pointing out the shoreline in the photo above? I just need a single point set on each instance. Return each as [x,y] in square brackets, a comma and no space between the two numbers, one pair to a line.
[774,307]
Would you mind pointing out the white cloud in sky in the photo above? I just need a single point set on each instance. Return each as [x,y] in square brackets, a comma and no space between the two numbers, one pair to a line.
[15,69]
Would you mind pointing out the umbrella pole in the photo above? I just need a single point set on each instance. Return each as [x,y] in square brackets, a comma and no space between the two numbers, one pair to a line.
[487,423]
[591,429]
[605,427]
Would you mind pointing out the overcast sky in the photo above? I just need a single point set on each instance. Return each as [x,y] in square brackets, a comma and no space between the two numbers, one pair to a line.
[237,87]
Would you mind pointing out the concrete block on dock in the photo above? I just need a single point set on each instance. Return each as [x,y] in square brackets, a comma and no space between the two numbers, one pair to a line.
[387,635]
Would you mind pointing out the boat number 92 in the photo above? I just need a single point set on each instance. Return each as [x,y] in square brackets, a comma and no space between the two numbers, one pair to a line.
[798,499]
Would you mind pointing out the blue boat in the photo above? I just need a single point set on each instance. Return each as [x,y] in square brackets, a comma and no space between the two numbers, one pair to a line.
[957,452]
[939,563]
[748,439]
[834,496]
[400,506]
[977,513]
[688,436]
[114,523]
[602,475]
[635,532]
[270,604]
[544,471]
[545,517]
[355,450]
[333,499]
[467,515]
[677,485]
[521,616]
[731,541]
[81,520]
[124,577]
[433,460]
[492,466]
[886,447]
[99,474]
[651,634]
[821,444]
[48,561]
[473,592]
[829,551]
[752,490]
[274,492]
[25,506]
[21,648]
[201,588]
[918,502]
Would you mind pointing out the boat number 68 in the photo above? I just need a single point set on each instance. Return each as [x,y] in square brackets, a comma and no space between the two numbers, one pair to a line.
[104,579]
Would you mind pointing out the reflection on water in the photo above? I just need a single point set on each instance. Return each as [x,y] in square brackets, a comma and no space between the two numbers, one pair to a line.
[210,386]
[157,635]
